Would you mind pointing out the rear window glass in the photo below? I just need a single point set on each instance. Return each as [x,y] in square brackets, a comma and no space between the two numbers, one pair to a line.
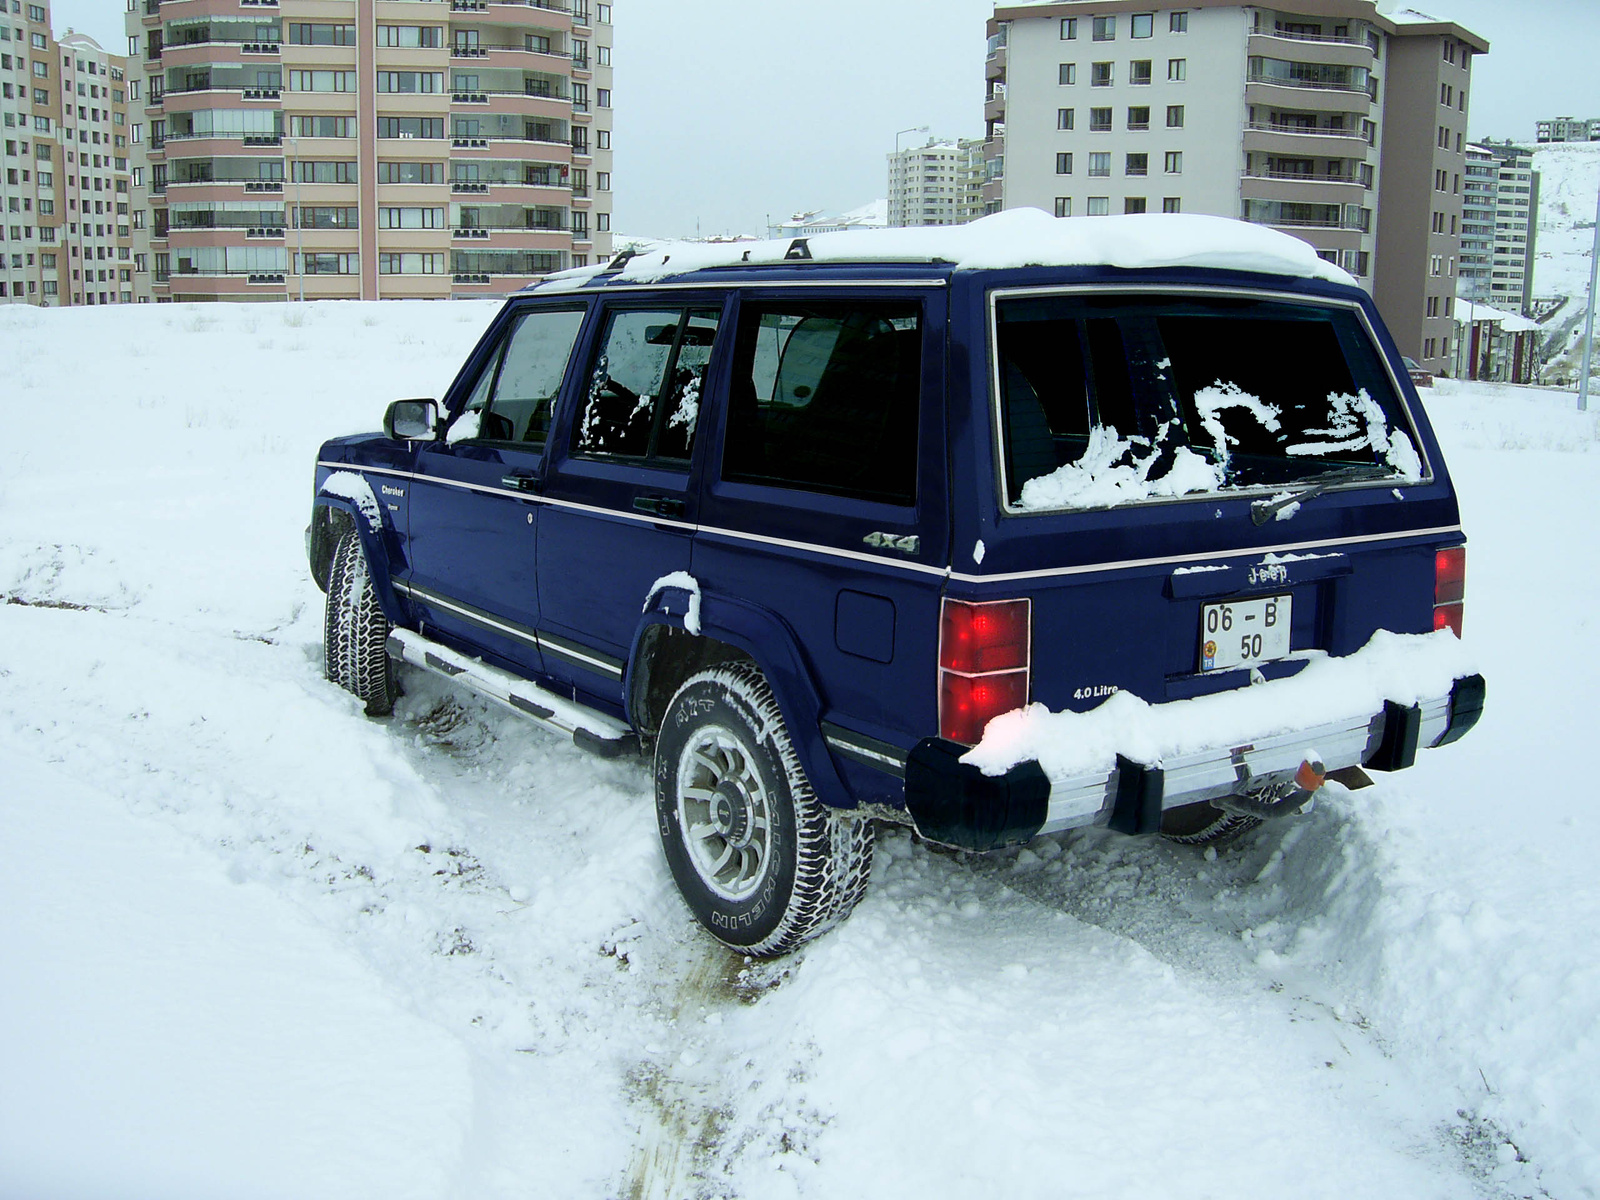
[825,399]
[1110,399]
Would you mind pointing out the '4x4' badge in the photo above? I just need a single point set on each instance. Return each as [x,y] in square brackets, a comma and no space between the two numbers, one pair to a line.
[908,544]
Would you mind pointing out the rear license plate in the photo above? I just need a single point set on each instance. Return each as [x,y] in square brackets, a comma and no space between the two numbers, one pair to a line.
[1243,633]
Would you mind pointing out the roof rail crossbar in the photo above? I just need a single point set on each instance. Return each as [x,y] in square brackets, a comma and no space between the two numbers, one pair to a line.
[798,250]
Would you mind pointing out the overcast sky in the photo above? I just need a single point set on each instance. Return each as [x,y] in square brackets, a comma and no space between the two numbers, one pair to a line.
[731,111]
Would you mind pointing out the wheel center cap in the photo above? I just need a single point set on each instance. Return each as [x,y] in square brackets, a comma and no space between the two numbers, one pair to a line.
[730,814]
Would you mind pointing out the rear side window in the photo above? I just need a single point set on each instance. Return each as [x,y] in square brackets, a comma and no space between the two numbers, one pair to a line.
[512,399]
[825,398]
[1108,399]
[643,400]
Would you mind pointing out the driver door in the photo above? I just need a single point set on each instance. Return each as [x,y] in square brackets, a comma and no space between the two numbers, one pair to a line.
[474,516]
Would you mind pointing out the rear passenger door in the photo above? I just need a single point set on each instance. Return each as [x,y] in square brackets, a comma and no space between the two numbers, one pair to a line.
[825,494]
[619,500]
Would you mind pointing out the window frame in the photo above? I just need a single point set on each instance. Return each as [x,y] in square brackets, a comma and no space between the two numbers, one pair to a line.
[466,383]
[1136,291]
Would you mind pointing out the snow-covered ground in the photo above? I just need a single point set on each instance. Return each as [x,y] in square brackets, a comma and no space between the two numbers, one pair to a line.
[254,944]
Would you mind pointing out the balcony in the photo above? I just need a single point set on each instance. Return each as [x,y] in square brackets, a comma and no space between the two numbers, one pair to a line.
[1305,131]
[1302,176]
[1319,85]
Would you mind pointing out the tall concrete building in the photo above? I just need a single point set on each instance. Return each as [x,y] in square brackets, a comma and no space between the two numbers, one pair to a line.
[1329,119]
[371,149]
[64,185]
[939,183]
[1499,227]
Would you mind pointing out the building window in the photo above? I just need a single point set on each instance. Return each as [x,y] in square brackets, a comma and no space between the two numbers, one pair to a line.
[1064,117]
[1143,25]
[1139,71]
[1139,117]
[410,218]
[603,181]
[1174,116]
[1099,164]
[1105,29]
[1178,22]
[1063,206]
[411,264]
[602,55]
[326,81]
[602,139]
[1133,204]
[328,263]
[1063,164]
[1069,29]
[1174,162]
[603,13]
[304,34]
[411,37]
[603,97]
[1099,206]
[1137,164]
[400,81]
[1177,70]
[1099,120]
[1068,73]
[1172,204]
[1100,74]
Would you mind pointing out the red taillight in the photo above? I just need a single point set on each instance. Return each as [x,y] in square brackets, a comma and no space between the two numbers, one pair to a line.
[1449,588]
[984,652]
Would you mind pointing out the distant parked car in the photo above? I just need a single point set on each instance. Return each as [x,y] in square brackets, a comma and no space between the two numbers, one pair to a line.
[989,531]
[1419,377]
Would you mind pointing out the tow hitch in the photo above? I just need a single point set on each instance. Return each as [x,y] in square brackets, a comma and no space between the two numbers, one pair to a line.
[1265,798]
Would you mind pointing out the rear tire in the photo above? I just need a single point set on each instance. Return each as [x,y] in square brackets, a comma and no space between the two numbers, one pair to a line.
[761,862]
[1202,825]
[355,633]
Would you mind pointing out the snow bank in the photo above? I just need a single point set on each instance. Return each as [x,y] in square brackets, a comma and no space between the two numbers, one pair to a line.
[1014,238]
[1395,667]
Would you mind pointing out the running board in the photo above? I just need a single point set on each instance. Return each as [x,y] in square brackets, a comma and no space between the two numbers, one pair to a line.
[593,731]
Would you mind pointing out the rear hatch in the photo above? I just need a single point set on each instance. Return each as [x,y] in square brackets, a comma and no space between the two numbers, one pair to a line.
[1199,485]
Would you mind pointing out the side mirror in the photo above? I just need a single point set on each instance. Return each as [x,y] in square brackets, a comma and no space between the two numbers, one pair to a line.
[411,420]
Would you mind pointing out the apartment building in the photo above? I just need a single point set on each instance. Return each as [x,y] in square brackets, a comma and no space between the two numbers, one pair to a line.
[1499,227]
[367,149]
[940,183]
[64,182]
[1285,116]
[1566,129]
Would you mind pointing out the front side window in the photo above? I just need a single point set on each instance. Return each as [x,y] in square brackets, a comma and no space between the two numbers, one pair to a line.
[826,398]
[643,396]
[1107,399]
[512,399]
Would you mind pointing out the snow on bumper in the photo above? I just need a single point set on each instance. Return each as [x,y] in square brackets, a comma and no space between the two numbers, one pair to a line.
[1125,761]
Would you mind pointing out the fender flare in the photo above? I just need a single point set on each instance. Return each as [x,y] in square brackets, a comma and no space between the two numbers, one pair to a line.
[766,640]
[373,545]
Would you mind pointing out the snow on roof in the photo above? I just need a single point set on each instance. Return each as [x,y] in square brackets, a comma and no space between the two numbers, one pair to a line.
[1026,237]
[1469,313]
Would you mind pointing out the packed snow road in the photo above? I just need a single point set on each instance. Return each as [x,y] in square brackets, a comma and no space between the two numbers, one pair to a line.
[255,944]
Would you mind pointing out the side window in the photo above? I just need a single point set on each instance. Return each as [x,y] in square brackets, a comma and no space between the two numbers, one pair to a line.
[512,399]
[643,400]
[825,399]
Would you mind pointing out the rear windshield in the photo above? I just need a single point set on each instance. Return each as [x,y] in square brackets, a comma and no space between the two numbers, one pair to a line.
[1111,399]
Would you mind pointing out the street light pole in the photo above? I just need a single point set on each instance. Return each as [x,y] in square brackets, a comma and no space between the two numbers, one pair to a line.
[903,132]
[1588,320]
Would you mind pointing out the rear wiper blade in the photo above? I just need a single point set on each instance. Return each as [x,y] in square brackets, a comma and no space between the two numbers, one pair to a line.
[1262,511]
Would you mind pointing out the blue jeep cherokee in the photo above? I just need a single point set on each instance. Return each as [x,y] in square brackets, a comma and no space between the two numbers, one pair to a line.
[993,531]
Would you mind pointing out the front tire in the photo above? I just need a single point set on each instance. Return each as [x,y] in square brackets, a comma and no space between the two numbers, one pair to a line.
[760,861]
[355,633]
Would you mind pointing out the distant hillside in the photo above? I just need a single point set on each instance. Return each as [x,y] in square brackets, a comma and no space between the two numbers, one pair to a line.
[1569,179]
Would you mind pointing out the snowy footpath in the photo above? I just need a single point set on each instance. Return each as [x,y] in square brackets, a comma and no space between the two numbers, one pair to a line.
[253,944]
